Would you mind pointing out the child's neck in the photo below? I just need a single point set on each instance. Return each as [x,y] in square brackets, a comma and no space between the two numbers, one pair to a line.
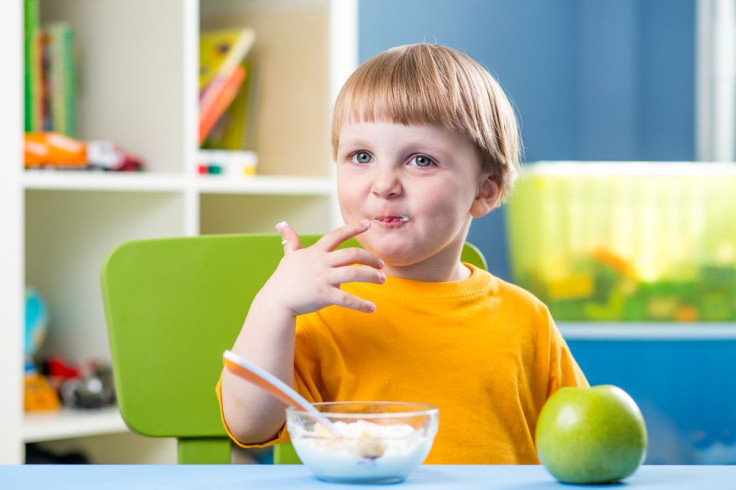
[423,272]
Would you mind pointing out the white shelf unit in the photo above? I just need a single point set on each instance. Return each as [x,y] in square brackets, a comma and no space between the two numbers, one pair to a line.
[138,87]
[67,423]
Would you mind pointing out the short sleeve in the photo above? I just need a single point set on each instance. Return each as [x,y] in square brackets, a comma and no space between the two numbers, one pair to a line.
[306,382]
[563,368]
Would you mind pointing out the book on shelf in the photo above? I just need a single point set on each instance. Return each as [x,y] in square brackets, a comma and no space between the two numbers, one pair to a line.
[62,78]
[222,93]
[50,78]
[33,80]
[234,130]
[222,51]
[222,74]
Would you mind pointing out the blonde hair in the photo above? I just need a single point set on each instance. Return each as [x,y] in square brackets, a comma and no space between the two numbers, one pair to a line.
[435,85]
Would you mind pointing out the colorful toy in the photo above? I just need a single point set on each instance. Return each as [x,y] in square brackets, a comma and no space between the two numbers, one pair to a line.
[85,386]
[38,393]
[36,325]
[54,150]
[39,396]
[228,163]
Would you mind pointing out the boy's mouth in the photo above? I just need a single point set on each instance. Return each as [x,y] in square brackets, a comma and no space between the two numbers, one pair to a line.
[390,220]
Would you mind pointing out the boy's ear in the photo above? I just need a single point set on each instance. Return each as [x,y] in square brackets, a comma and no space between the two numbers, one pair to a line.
[487,199]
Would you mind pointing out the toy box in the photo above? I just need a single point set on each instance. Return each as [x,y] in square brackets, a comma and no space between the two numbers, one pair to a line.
[627,241]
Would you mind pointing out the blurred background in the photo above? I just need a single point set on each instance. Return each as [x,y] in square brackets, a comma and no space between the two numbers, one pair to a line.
[603,81]
[621,222]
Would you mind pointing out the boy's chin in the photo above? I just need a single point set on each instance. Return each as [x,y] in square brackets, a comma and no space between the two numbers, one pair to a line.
[395,256]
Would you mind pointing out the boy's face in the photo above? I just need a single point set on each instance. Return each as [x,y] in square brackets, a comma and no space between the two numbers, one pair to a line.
[420,186]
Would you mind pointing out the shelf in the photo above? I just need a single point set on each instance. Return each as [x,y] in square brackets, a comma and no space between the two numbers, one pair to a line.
[70,423]
[647,331]
[101,181]
[148,182]
[267,185]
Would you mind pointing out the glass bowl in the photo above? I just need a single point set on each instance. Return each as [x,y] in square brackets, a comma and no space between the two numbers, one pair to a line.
[377,442]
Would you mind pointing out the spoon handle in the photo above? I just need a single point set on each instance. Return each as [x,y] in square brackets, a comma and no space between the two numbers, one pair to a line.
[273,385]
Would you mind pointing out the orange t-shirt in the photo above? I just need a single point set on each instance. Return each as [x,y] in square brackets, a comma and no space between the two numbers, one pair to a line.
[486,352]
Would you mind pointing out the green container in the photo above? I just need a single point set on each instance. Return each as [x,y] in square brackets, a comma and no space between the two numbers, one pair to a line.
[627,241]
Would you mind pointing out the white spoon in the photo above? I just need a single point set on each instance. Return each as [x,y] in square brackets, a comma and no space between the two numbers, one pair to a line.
[273,385]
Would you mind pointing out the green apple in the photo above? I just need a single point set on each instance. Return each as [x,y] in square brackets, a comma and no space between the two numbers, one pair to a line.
[591,435]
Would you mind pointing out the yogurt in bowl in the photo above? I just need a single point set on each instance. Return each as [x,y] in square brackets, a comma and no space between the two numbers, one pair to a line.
[370,442]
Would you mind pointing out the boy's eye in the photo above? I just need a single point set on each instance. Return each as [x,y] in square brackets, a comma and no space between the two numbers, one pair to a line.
[421,161]
[361,157]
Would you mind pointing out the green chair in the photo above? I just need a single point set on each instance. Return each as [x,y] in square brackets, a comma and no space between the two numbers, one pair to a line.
[172,307]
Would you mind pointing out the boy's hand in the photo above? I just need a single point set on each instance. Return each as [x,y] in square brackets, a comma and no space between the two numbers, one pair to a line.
[309,279]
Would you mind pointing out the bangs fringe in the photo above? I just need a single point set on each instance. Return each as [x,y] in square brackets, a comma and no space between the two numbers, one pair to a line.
[405,88]
[408,101]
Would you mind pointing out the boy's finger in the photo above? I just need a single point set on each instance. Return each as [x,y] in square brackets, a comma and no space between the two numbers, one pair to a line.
[289,237]
[347,274]
[346,300]
[338,236]
[354,255]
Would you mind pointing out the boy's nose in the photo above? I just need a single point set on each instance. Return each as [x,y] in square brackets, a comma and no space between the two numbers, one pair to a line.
[386,183]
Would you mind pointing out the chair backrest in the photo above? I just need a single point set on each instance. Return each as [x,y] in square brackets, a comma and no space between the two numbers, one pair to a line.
[173,306]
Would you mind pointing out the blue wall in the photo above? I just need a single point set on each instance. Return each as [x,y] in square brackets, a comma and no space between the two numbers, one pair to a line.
[591,80]
[684,389]
[594,80]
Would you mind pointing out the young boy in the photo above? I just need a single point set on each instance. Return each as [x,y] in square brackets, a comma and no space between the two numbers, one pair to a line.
[424,141]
